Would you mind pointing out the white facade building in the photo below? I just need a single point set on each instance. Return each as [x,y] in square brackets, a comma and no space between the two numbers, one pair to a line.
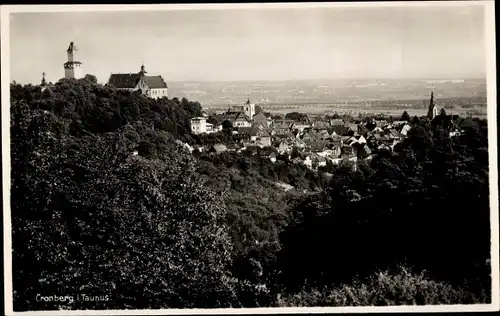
[199,125]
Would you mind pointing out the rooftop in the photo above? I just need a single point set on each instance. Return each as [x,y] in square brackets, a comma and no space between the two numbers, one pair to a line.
[129,81]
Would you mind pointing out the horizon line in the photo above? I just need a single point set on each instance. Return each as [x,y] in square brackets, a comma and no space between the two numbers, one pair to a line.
[295,80]
[334,79]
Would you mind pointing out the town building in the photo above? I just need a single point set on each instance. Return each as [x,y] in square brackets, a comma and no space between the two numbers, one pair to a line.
[151,86]
[336,122]
[73,69]
[264,140]
[260,120]
[198,125]
[218,148]
[242,120]
[248,109]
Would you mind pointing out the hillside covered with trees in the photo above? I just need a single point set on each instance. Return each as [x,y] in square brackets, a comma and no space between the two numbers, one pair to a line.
[104,202]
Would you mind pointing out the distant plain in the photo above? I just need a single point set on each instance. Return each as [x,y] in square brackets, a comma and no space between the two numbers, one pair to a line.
[320,97]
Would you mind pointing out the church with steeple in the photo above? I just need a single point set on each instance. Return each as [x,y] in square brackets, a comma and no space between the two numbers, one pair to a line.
[152,86]
[432,112]
[248,109]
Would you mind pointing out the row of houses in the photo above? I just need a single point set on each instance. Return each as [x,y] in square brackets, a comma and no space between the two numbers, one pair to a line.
[316,143]
[313,143]
[238,116]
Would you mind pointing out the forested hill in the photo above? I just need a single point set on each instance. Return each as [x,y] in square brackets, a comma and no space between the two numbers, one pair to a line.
[167,229]
[89,217]
[88,107]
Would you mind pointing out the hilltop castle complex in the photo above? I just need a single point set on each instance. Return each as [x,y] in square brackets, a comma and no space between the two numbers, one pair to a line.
[151,86]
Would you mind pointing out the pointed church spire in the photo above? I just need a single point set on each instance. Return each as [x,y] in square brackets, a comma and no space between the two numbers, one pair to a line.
[431,112]
[143,69]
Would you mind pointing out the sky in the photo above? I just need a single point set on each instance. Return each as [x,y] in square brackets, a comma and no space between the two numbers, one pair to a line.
[255,44]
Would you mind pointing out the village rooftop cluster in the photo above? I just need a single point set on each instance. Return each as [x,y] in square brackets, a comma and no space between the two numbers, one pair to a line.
[308,141]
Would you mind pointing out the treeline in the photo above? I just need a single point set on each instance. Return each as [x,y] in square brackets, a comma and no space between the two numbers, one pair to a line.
[168,229]
[92,108]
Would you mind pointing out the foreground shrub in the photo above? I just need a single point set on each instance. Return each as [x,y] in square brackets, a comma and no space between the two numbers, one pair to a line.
[385,289]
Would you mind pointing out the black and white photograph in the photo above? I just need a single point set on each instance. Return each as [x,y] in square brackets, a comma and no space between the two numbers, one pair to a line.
[249,158]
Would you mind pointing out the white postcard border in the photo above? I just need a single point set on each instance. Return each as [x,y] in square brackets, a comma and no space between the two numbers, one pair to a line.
[492,149]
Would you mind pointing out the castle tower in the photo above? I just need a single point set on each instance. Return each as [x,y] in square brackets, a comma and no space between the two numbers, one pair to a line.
[73,69]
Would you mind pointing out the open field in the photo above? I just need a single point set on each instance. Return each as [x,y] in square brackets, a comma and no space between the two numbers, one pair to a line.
[314,110]
[329,92]
[390,97]
[418,108]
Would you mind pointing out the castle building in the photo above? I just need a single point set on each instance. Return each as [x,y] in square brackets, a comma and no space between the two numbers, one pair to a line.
[152,86]
[73,69]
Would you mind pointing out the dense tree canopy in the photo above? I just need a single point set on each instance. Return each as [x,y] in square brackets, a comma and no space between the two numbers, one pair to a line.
[108,223]
[425,206]
[405,116]
[296,116]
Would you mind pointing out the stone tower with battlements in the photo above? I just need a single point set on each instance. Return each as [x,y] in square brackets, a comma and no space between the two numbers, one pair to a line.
[73,69]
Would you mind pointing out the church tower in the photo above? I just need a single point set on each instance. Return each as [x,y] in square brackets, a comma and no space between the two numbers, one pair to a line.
[432,112]
[73,69]
[249,109]
[143,71]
